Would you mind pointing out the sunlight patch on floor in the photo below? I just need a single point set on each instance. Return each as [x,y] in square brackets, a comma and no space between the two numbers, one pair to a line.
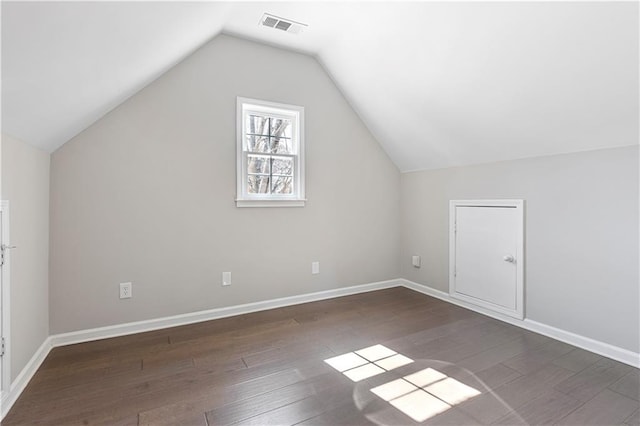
[419,405]
[346,361]
[420,395]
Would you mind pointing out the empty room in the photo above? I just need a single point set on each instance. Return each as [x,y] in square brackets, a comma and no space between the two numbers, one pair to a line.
[320,213]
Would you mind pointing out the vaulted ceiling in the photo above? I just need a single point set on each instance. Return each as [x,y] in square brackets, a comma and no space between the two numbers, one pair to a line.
[438,84]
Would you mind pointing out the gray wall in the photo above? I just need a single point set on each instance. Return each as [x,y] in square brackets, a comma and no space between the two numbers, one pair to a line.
[581,225]
[25,183]
[146,195]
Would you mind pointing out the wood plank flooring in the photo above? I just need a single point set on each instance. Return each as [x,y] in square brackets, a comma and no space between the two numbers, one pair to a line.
[267,368]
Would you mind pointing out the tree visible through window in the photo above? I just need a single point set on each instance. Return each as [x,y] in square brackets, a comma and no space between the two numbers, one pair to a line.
[269,173]
[271,152]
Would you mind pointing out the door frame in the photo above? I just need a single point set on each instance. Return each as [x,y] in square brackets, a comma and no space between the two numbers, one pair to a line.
[5,330]
[518,204]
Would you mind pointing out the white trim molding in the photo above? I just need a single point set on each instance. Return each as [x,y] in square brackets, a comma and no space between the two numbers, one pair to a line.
[5,298]
[295,113]
[601,348]
[20,383]
[212,314]
[270,203]
[81,336]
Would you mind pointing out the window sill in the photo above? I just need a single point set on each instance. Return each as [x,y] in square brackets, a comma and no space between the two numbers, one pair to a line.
[270,203]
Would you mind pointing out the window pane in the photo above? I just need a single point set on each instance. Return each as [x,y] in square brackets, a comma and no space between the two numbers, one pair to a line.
[257,143]
[281,127]
[258,184]
[282,185]
[281,146]
[258,164]
[282,166]
[270,149]
[256,125]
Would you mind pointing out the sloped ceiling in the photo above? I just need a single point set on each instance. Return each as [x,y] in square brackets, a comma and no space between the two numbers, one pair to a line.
[438,84]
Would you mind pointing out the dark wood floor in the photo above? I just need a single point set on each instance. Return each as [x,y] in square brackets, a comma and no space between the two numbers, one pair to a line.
[268,368]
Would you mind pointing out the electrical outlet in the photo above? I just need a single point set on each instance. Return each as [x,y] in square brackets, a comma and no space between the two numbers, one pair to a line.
[315,268]
[125,290]
[226,278]
[415,261]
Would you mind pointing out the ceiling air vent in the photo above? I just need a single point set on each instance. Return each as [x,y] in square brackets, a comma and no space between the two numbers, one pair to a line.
[278,23]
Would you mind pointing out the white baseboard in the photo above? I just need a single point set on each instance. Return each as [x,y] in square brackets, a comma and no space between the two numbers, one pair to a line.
[211,314]
[17,386]
[610,351]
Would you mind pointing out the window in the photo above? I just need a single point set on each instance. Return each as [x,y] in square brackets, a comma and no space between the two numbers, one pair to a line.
[270,170]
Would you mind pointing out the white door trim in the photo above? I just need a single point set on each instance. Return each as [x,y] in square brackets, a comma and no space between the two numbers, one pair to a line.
[5,332]
[518,312]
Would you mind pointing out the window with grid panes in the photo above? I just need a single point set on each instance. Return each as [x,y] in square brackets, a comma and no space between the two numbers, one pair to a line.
[270,154]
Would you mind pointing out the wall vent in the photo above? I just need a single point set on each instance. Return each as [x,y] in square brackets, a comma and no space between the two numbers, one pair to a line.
[282,24]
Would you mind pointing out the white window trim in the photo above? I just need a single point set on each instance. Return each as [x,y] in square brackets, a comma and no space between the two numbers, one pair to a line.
[242,198]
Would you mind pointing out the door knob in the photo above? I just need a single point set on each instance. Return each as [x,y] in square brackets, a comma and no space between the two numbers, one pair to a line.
[509,258]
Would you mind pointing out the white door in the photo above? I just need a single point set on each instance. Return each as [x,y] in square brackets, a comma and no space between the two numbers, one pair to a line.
[4,297]
[2,245]
[487,254]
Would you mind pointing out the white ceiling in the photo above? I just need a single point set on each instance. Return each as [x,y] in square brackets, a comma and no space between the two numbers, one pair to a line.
[438,84]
